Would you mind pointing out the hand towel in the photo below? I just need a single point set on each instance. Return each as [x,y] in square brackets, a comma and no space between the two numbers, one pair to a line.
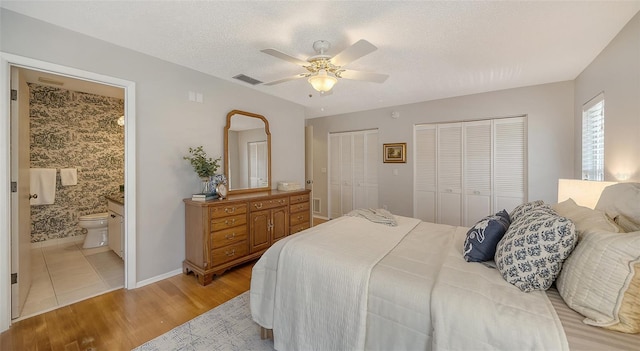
[43,183]
[69,176]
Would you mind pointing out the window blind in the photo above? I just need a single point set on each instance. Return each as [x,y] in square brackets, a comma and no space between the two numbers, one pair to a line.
[593,139]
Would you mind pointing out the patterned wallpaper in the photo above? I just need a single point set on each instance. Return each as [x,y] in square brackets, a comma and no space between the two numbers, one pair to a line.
[71,129]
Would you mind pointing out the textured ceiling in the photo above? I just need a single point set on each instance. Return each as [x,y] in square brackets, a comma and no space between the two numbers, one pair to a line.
[430,50]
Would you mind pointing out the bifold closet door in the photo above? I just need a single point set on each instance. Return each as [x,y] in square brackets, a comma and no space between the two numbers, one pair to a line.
[353,174]
[449,168]
[365,169]
[477,171]
[509,163]
[424,177]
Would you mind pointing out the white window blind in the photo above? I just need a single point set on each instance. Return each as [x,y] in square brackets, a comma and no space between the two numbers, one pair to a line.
[593,139]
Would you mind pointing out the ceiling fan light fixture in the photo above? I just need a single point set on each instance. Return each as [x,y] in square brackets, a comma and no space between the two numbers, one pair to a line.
[322,81]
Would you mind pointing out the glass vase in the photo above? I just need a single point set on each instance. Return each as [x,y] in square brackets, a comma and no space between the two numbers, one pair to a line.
[205,186]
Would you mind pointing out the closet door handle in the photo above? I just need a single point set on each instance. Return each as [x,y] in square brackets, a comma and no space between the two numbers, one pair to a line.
[33,196]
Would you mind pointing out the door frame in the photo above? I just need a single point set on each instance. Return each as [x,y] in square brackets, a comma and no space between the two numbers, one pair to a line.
[6,61]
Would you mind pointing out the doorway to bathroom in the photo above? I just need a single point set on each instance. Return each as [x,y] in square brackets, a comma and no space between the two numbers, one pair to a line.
[52,239]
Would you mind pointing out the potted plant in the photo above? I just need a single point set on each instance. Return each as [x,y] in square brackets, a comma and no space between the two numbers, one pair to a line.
[205,167]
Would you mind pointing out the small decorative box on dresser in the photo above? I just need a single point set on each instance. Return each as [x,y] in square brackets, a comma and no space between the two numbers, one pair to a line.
[221,234]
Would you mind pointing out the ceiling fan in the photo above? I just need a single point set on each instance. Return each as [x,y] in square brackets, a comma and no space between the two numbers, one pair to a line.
[324,70]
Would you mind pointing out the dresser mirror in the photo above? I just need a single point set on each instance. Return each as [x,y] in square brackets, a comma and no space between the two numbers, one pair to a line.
[247,149]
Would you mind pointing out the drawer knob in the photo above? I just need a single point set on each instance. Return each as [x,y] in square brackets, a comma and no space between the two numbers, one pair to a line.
[230,253]
[280,201]
[258,205]
[230,236]
[230,222]
[229,209]
[300,218]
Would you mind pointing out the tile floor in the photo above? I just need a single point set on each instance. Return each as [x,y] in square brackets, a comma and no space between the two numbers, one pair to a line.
[67,273]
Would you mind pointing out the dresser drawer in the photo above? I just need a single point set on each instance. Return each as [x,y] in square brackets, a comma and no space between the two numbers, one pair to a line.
[229,253]
[295,199]
[224,211]
[228,222]
[298,228]
[229,236]
[299,207]
[266,204]
[298,218]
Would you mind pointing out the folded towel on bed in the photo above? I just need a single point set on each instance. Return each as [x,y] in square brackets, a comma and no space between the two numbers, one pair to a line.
[379,215]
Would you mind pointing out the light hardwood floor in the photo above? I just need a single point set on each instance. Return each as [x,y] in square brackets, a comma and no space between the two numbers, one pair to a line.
[124,319]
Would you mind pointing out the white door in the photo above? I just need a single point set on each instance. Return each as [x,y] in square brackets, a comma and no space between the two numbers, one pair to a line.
[335,194]
[425,173]
[308,156]
[449,209]
[346,173]
[510,159]
[477,171]
[20,208]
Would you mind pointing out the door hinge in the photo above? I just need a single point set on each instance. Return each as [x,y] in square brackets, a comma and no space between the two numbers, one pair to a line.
[14,187]
[14,278]
[14,94]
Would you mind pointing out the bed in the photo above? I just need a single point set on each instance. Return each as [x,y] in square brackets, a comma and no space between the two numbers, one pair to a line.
[354,283]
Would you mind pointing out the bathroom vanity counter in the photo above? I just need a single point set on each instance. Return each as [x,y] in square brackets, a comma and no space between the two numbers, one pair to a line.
[117,198]
[115,204]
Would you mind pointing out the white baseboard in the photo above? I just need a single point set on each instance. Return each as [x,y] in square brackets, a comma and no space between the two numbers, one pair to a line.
[321,217]
[158,278]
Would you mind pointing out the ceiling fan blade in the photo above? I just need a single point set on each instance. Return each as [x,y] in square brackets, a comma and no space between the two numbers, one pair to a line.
[366,76]
[299,75]
[354,52]
[283,56]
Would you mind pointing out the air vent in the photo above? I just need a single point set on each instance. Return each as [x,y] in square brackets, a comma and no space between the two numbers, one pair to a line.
[247,79]
[316,205]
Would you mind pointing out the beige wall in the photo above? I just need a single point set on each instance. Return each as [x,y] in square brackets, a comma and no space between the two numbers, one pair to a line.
[616,72]
[167,124]
[549,110]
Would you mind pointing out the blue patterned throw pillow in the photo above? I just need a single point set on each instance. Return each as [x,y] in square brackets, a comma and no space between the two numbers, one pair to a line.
[531,253]
[483,237]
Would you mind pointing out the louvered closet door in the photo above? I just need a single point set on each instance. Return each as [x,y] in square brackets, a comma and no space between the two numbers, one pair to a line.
[477,171]
[335,182]
[449,168]
[365,169]
[346,172]
[424,177]
[509,162]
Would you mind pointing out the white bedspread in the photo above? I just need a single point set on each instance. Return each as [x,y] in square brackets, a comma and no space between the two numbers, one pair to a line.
[474,308]
[323,275]
[315,291]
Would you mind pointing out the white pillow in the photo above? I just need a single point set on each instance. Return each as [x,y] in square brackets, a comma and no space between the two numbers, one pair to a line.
[585,218]
[601,280]
[621,198]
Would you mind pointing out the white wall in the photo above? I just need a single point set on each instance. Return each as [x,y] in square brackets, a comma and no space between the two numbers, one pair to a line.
[616,72]
[167,125]
[549,108]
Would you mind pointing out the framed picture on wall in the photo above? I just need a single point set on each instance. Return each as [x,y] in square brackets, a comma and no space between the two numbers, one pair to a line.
[395,153]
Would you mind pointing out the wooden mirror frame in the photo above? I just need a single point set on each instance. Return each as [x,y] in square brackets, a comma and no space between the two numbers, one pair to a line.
[226,151]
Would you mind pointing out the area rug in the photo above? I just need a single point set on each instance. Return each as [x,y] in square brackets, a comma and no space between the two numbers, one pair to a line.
[227,327]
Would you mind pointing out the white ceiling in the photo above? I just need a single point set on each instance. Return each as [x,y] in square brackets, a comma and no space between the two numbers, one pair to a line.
[430,49]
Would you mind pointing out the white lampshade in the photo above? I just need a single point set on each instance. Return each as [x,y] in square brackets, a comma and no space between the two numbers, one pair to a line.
[322,82]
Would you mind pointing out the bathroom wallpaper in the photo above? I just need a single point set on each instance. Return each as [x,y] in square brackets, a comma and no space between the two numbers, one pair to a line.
[71,129]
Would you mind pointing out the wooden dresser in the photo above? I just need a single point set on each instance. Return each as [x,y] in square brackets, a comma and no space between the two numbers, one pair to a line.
[221,234]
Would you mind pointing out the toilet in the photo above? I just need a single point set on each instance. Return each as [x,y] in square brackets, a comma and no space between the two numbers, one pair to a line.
[96,228]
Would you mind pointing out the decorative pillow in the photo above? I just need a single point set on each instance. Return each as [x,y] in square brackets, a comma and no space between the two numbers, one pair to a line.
[531,253]
[585,218]
[483,237]
[601,280]
[621,198]
[524,208]
[626,224]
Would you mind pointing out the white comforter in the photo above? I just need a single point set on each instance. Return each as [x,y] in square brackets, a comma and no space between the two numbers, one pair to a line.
[418,295]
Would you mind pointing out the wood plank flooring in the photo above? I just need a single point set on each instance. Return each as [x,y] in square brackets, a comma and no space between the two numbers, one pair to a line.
[124,319]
